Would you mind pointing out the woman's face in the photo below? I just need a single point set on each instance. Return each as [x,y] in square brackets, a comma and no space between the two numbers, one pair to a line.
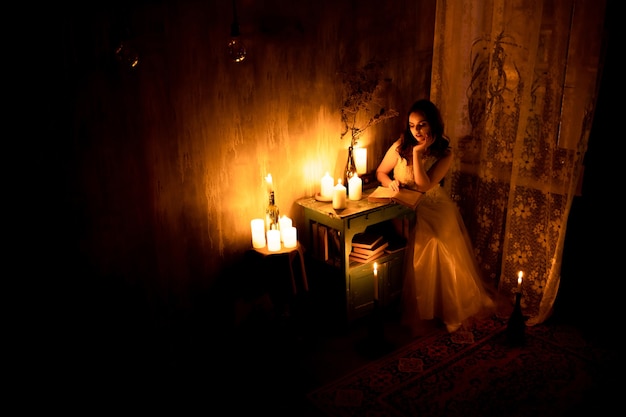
[420,129]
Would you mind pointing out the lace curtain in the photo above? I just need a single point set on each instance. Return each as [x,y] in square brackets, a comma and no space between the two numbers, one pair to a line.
[517,83]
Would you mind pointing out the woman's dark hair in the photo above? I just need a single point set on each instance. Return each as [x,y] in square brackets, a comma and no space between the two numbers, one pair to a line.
[433,117]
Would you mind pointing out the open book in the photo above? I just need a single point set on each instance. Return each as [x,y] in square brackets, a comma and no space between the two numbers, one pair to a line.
[404,196]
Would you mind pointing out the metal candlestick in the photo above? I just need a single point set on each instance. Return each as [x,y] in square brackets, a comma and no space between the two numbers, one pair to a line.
[516,327]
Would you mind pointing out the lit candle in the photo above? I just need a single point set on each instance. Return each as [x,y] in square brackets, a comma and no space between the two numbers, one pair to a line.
[520,274]
[339,195]
[375,280]
[284,223]
[327,187]
[258,233]
[355,188]
[360,160]
[273,240]
[290,237]
[270,184]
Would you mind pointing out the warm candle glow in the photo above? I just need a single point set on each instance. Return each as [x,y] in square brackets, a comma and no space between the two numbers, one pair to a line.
[355,188]
[520,274]
[270,184]
[258,233]
[375,280]
[284,223]
[360,160]
[327,186]
[273,240]
[339,195]
[290,237]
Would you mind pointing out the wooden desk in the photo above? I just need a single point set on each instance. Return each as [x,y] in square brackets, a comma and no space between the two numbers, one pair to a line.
[355,218]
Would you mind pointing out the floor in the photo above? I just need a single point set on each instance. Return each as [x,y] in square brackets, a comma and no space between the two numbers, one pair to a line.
[281,351]
[280,347]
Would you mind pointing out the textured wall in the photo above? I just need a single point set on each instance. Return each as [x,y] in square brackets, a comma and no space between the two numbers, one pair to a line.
[166,161]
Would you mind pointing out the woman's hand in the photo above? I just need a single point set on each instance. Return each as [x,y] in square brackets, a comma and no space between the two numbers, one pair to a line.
[394,185]
[421,147]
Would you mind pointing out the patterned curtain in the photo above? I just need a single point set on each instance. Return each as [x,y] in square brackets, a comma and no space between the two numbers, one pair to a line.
[517,82]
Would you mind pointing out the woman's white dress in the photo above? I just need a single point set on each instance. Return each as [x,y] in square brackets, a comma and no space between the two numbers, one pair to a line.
[441,275]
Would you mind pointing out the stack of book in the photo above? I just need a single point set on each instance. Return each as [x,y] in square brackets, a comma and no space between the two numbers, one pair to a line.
[367,246]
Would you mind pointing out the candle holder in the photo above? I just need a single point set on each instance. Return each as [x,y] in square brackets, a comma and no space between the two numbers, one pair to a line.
[515,329]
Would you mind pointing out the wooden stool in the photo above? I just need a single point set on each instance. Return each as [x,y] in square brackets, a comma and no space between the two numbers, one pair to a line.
[291,252]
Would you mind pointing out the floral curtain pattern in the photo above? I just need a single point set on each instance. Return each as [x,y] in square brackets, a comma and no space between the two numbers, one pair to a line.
[517,92]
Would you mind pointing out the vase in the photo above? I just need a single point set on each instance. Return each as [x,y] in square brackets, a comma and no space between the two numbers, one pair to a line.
[350,170]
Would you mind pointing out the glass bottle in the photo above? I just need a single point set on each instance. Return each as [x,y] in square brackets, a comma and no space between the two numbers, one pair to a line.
[271,214]
[350,168]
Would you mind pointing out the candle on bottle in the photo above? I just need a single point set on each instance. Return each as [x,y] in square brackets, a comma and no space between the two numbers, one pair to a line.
[326,190]
[355,188]
[520,274]
[270,183]
[339,195]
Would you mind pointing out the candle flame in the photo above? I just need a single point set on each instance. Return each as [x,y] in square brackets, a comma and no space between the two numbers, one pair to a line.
[375,268]
[520,274]
[270,186]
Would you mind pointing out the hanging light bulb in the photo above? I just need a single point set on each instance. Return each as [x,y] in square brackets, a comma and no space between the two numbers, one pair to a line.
[126,54]
[236,48]
[125,51]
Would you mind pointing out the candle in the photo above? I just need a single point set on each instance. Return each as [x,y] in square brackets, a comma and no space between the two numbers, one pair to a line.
[284,223]
[270,184]
[290,237]
[360,160]
[258,233]
[339,195]
[520,274]
[273,240]
[375,280]
[355,188]
[327,186]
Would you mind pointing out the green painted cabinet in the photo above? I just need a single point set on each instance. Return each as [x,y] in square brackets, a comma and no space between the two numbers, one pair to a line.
[328,235]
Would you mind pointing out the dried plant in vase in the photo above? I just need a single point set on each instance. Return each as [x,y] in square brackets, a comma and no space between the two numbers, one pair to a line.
[361,91]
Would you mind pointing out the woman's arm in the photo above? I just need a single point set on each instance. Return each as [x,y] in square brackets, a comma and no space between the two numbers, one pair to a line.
[386,166]
[425,180]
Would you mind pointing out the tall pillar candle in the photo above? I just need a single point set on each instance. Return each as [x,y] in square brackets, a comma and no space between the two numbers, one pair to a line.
[339,195]
[360,160]
[284,223]
[326,190]
[355,188]
[258,233]
[290,237]
[273,240]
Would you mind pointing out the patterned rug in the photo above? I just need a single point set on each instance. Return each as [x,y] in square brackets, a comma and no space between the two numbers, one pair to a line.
[479,372]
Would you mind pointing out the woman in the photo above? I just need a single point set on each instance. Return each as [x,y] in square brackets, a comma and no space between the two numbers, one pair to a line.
[441,275]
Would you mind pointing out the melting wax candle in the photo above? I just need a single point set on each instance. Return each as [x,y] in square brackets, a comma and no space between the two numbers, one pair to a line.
[360,160]
[327,187]
[339,195]
[355,188]
[258,233]
[290,237]
[284,223]
[273,240]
